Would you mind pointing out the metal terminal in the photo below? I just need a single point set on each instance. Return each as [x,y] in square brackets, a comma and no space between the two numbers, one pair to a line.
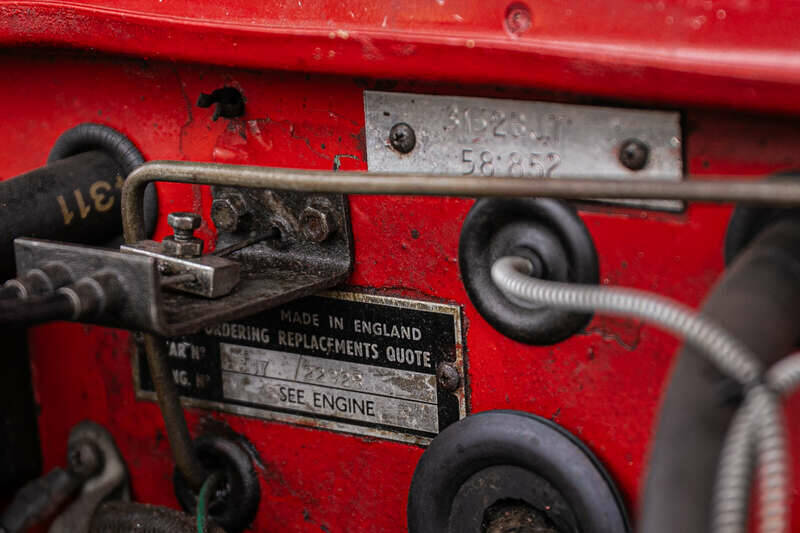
[84,459]
[634,154]
[230,213]
[108,480]
[448,377]
[183,243]
[317,223]
[402,137]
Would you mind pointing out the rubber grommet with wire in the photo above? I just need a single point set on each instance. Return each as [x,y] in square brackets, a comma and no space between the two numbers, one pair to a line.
[232,491]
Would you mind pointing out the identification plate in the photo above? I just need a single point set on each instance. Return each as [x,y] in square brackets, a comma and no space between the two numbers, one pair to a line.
[491,137]
[345,361]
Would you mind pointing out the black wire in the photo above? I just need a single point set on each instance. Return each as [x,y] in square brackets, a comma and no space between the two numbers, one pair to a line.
[36,310]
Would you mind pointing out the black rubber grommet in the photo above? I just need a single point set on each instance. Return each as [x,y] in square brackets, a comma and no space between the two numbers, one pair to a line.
[87,137]
[550,231]
[484,441]
[747,222]
[237,508]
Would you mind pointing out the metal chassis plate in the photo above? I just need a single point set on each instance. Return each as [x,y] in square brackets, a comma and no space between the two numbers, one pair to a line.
[526,139]
[308,420]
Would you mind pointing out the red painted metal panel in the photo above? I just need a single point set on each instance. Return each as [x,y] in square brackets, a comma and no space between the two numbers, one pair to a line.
[734,53]
[603,385]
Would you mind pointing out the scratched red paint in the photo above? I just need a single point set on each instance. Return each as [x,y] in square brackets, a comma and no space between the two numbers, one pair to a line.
[603,385]
[735,53]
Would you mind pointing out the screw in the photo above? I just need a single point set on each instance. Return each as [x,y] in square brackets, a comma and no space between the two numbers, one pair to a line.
[402,137]
[448,377]
[183,243]
[316,224]
[84,460]
[518,19]
[634,154]
[229,213]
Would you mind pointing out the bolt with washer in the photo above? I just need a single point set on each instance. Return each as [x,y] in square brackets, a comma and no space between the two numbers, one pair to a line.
[183,243]
[402,137]
[317,224]
[448,377]
[634,154]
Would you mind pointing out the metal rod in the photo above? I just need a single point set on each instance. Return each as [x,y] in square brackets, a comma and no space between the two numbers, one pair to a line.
[711,189]
[180,442]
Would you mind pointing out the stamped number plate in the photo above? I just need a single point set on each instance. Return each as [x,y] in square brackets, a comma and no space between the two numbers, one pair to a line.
[350,362]
[530,140]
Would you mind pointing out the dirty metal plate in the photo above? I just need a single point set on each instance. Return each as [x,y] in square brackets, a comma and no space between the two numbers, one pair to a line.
[530,140]
[345,361]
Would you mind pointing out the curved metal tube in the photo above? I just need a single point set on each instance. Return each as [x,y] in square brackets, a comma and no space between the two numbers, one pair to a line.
[711,189]
[180,442]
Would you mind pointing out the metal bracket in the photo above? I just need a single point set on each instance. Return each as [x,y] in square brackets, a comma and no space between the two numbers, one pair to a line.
[311,250]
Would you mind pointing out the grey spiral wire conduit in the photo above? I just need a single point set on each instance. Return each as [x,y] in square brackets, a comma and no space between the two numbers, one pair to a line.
[758,427]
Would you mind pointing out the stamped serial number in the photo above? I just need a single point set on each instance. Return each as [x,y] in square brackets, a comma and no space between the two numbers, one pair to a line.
[545,130]
[514,164]
[341,376]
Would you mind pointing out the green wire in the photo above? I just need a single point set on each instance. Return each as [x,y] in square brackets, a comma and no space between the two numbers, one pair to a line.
[203,500]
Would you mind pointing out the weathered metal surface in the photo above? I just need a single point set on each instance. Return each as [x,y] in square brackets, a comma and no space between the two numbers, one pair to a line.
[498,138]
[137,274]
[603,385]
[352,362]
[265,274]
[210,276]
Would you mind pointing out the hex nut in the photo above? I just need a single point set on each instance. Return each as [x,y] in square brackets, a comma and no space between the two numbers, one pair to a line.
[229,213]
[316,224]
[182,248]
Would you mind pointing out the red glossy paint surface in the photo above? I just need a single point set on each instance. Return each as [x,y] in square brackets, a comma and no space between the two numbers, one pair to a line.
[739,54]
[603,385]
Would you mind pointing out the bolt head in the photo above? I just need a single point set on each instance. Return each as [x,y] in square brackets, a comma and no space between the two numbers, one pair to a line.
[316,224]
[229,213]
[518,19]
[634,154]
[448,377]
[184,221]
[182,248]
[402,137]
[84,460]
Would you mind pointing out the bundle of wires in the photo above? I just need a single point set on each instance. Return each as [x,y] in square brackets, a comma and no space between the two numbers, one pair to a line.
[757,434]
